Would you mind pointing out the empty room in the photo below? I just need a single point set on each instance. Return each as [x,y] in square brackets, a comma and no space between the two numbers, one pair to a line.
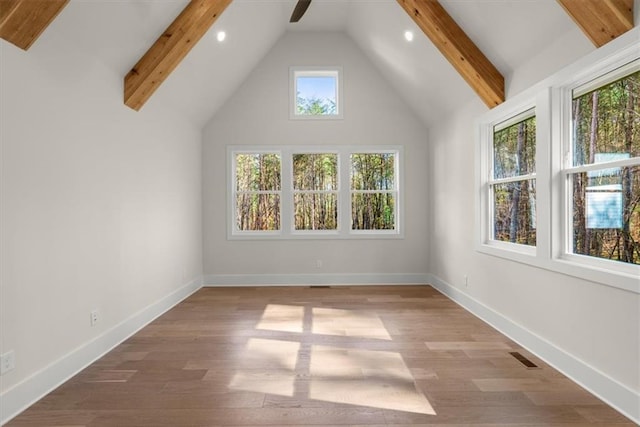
[320,213]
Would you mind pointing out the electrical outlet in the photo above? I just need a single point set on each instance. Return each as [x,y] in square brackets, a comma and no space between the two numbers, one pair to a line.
[95,317]
[318,263]
[7,362]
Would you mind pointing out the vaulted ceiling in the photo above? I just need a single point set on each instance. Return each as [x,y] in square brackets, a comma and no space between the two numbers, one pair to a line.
[507,34]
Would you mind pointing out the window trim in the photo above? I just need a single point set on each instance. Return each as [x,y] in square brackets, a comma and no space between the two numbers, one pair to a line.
[498,119]
[336,71]
[398,185]
[552,101]
[287,231]
[232,191]
[593,78]
[492,181]
[292,191]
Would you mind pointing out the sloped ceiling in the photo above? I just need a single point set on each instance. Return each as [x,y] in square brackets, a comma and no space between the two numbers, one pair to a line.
[509,32]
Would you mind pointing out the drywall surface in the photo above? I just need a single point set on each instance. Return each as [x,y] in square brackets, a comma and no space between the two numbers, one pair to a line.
[594,323]
[101,205]
[258,114]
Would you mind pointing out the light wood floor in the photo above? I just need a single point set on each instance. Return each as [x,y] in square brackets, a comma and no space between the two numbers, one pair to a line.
[366,356]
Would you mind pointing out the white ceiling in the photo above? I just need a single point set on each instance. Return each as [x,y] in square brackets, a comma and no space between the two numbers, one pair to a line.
[509,32]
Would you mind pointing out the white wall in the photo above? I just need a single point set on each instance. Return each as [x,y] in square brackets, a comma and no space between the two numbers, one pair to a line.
[595,325]
[258,114]
[101,207]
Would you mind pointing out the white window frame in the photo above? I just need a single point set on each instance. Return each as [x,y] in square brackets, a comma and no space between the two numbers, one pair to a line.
[395,190]
[600,75]
[552,99]
[233,192]
[488,165]
[293,191]
[502,117]
[287,230]
[298,71]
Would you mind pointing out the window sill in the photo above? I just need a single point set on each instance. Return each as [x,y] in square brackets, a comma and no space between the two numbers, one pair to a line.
[609,273]
[316,117]
[325,235]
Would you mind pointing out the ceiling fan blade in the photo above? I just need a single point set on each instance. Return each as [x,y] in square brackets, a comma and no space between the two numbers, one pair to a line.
[300,9]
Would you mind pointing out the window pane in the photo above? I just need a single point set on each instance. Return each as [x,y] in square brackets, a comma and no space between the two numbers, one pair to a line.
[372,171]
[258,212]
[606,214]
[315,172]
[514,149]
[373,211]
[606,122]
[316,95]
[257,172]
[514,210]
[316,211]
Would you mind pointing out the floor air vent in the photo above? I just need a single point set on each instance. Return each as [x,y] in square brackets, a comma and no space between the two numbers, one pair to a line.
[526,362]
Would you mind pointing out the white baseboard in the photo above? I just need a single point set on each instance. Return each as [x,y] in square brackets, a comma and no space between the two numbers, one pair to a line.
[19,397]
[313,279]
[615,394]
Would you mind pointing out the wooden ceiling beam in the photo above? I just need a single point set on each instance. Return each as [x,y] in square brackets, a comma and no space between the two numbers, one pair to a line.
[601,20]
[22,21]
[474,67]
[169,50]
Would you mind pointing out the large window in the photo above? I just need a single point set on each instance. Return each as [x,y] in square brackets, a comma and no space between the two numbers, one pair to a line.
[302,192]
[373,191]
[315,191]
[257,191]
[513,184]
[604,174]
[559,172]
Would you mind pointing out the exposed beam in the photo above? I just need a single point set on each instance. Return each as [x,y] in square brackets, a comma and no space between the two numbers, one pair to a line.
[458,48]
[170,48]
[601,20]
[22,21]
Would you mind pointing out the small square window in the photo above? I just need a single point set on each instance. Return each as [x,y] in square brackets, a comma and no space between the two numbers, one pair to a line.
[316,93]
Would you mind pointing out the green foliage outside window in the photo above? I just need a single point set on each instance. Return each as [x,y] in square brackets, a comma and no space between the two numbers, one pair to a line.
[257,191]
[315,106]
[606,125]
[315,184]
[373,196]
[315,191]
[514,202]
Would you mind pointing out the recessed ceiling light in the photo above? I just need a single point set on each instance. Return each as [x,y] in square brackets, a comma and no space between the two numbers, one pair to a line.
[221,36]
[408,35]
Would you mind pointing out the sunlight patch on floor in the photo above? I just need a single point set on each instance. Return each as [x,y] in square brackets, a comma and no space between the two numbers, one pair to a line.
[275,353]
[333,321]
[386,381]
[267,366]
[281,385]
[378,379]
[282,318]
[354,376]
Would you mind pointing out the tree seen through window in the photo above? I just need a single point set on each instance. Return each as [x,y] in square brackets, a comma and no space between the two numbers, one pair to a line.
[606,201]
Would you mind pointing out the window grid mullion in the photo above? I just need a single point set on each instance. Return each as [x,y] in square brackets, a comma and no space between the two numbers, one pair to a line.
[287,194]
[634,161]
[517,178]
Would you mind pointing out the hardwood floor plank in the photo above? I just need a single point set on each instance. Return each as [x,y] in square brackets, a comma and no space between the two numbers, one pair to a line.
[365,356]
